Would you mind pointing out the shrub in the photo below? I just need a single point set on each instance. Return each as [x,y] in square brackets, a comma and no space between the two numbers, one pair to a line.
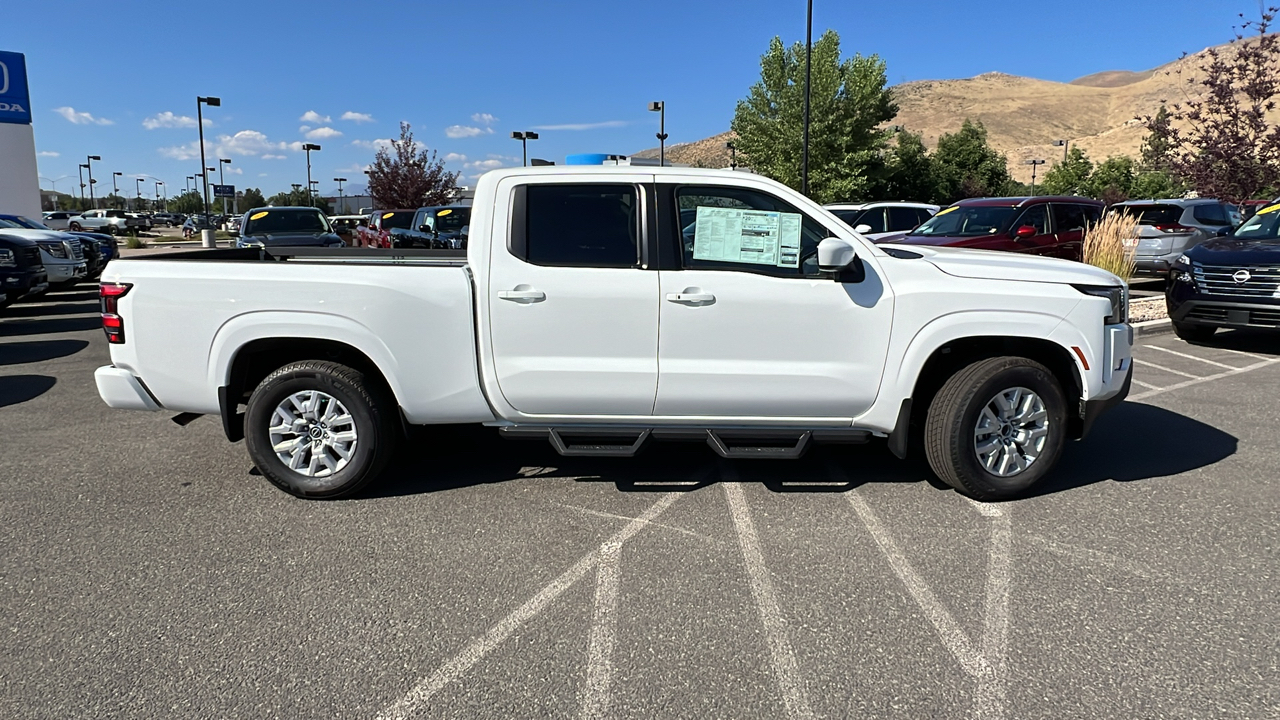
[134,242]
[1111,244]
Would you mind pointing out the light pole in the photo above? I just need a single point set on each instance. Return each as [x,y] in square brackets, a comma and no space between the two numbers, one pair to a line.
[80,170]
[206,235]
[660,107]
[89,166]
[54,183]
[1062,144]
[138,186]
[808,62]
[189,179]
[115,191]
[296,187]
[524,138]
[733,155]
[164,203]
[342,206]
[309,147]
[1034,164]
[222,181]
[313,192]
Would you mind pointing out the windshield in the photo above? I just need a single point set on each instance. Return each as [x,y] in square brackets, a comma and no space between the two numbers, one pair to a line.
[11,225]
[451,220]
[1265,225]
[849,217]
[401,220]
[116,214]
[29,223]
[961,221]
[1150,214]
[286,221]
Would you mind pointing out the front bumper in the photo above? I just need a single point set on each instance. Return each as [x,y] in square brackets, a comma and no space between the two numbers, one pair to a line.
[1093,409]
[66,272]
[1157,263]
[26,284]
[120,389]
[1227,314]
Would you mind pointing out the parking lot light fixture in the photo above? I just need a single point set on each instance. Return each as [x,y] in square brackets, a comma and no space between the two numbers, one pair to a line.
[206,236]
[309,147]
[164,202]
[222,181]
[524,137]
[89,166]
[138,187]
[733,155]
[115,190]
[1034,164]
[341,204]
[1064,144]
[189,179]
[660,107]
[80,171]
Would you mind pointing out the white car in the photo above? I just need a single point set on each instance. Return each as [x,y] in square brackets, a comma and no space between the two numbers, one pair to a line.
[876,220]
[584,311]
[114,222]
[58,219]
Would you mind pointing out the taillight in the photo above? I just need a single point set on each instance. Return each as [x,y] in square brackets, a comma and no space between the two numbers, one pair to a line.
[1175,229]
[112,323]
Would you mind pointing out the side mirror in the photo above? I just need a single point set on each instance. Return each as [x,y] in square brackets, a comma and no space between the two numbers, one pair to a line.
[1025,231]
[424,229]
[862,229]
[1223,232]
[835,254]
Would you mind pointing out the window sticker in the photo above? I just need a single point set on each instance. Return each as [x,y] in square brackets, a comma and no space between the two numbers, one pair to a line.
[387,215]
[442,213]
[953,208]
[258,216]
[1268,209]
[758,237]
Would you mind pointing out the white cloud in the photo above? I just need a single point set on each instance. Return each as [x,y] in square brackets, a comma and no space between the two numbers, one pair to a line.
[275,157]
[247,142]
[304,128]
[380,143]
[583,126]
[81,118]
[264,174]
[462,131]
[484,119]
[190,151]
[455,157]
[357,117]
[48,153]
[322,133]
[167,119]
[485,165]
[355,168]
[315,118]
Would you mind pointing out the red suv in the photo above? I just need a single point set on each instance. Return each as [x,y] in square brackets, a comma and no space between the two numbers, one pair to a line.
[1052,226]
[377,233]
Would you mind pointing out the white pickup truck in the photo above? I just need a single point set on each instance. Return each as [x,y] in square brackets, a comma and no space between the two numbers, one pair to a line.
[603,308]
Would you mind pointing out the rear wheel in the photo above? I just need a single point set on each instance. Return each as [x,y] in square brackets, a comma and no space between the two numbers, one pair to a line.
[996,427]
[75,227]
[1194,333]
[319,429]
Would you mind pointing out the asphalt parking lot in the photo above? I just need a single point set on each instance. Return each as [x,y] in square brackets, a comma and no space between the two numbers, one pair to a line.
[146,571]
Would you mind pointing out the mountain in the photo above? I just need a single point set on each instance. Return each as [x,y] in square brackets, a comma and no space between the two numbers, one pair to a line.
[1023,116]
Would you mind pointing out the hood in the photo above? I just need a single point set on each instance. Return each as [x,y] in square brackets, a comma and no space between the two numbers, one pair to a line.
[293,239]
[9,240]
[995,265]
[1231,250]
[38,235]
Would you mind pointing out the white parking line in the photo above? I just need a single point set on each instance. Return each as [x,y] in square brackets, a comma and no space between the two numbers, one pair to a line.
[785,668]
[1192,357]
[990,699]
[595,696]
[1241,352]
[1148,386]
[1162,368]
[416,699]
[1197,381]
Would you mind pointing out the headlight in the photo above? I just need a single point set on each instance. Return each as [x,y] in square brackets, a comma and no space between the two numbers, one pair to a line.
[55,249]
[7,259]
[1118,295]
[1182,260]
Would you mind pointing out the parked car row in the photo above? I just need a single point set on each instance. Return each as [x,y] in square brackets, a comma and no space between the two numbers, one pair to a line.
[34,257]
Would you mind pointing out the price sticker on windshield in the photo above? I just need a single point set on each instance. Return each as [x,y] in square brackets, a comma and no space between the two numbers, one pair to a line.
[258,216]
[387,215]
[953,208]
[442,213]
[1269,209]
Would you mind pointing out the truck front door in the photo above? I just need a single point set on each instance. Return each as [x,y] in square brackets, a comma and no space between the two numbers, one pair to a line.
[573,313]
[750,328]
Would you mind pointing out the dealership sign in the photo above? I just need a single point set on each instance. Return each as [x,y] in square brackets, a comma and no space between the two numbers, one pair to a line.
[15,101]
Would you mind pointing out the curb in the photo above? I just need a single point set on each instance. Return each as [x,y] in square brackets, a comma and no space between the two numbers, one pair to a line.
[1153,327]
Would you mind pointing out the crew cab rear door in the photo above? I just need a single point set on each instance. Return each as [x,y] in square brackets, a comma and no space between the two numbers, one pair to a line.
[573,312]
[749,327]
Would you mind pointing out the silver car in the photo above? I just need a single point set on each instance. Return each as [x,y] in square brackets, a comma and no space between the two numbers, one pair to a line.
[1168,228]
[876,220]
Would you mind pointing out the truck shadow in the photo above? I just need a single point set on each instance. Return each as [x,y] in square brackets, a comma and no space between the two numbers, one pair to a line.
[70,308]
[17,389]
[18,353]
[1250,341]
[49,325]
[1133,442]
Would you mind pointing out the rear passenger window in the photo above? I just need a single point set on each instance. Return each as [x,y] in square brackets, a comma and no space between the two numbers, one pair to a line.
[1211,214]
[1068,218]
[902,219]
[581,226]
[1037,217]
[874,218]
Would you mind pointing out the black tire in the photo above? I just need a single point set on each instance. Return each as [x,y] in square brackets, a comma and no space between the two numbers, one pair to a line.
[369,406]
[949,433]
[1194,333]
[75,227]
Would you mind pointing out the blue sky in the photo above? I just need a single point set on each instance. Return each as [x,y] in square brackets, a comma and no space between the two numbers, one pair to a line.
[120,80]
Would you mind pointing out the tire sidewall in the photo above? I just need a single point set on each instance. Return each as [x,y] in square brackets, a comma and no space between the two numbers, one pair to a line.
[1041,383]
[258,415]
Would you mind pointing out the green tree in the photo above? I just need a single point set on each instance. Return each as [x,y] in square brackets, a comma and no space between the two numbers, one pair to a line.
[1112,181]
[910,172]
[968,166]
[251,198]
[298,197]
[1069,177]
[1158,145]
[1156,184]
[848,105]
[188,202]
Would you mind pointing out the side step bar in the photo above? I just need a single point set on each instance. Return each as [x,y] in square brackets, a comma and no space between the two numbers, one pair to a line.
[732,443]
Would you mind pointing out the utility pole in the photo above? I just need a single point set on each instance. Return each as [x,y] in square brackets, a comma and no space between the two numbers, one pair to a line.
[808,62]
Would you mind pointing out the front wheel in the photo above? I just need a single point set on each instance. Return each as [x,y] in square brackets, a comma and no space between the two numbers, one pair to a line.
[996,427]
[319,429]
[1194,333]
[75,227]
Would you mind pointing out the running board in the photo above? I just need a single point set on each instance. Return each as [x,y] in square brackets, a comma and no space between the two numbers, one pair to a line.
[733,443]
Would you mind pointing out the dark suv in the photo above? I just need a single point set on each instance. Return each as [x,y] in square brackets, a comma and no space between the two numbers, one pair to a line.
[1231,281]
[22,271]
[1052,226]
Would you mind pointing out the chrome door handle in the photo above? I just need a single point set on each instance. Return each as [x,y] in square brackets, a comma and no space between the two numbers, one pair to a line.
[522,296]
[690,298]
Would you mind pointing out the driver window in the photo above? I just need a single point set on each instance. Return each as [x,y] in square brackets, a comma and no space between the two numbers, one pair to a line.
[1037,217]
[731,228]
